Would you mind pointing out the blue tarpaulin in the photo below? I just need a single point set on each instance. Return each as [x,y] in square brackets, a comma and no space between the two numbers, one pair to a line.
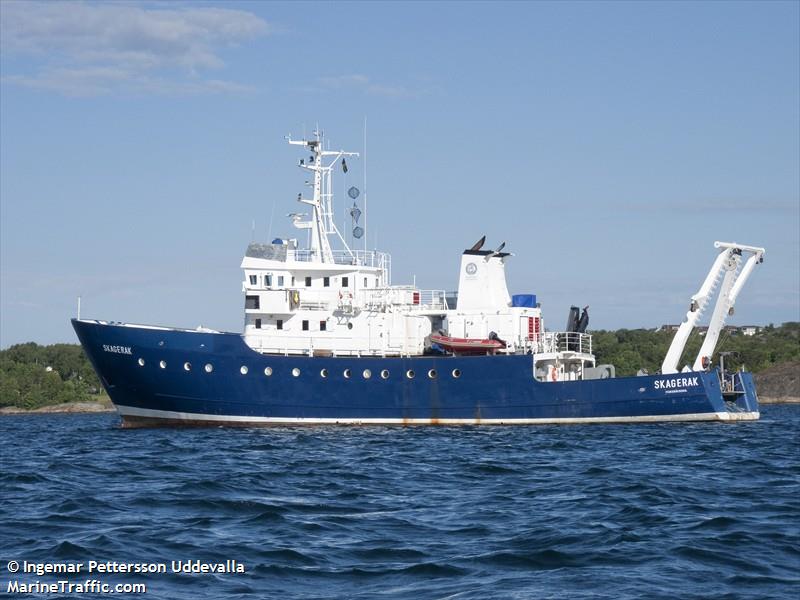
[527,300]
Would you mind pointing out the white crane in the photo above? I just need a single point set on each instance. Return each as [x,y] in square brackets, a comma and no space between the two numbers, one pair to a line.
[726,266]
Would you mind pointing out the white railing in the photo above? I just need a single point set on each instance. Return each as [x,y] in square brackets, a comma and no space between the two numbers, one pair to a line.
[566,341]
[433,299]
[363,258]
[409,298]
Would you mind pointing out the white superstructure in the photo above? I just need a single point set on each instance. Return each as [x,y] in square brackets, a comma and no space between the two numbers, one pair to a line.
[321,300]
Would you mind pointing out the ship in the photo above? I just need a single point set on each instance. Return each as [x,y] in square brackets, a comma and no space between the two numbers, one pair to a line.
[328,339]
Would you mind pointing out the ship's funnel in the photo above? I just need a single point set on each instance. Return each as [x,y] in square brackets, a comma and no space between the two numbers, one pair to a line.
[482,281]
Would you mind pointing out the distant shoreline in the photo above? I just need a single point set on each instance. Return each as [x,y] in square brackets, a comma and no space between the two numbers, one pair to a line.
[781,400]
[66,408]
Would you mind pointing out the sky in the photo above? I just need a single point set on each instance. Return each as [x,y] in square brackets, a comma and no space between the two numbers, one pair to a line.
[608,144]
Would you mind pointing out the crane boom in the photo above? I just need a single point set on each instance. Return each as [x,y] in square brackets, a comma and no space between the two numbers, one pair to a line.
[726,266]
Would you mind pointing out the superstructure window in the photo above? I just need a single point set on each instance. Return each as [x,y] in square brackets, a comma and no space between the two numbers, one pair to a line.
[365,282]
[308,281]
[345,282]
[280,280]
[253,279]
[268,280]
[305,325]
[279,324]
[252,302]
[323,325]
[326,282]
[258,323]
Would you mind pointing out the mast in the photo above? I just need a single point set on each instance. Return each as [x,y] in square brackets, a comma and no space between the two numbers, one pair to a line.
[321,223]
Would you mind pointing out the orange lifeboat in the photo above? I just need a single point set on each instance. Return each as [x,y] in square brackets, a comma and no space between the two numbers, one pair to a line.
[467,345]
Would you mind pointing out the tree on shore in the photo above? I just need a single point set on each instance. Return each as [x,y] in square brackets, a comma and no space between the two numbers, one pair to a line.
[32,376]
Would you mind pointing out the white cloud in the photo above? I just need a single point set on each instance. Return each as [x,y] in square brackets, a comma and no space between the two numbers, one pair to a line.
[86,49]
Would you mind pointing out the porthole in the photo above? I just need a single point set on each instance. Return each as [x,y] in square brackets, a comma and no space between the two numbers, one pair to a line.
[296,372]
[163,364]
[243,370]
[384,374]
[161,343]
[432,374]
[367,373]
[209,367]
[349,325]
[268,371]
[410,374]
[141,362]
[456,373]
[323,373]
[347,373]
[187,366]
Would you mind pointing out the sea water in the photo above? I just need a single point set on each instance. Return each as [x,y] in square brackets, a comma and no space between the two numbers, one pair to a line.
[702,510]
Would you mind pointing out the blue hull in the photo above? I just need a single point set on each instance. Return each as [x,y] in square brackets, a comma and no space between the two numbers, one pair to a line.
[160,376]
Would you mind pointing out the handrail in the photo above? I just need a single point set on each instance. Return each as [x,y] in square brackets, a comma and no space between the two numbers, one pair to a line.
[362,258]
[565,341]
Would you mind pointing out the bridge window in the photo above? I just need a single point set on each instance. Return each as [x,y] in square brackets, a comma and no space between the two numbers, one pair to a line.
[280,281]
[258,323]
[253,280]
[252,302]
[323,325]
[326,282]
[305,325]
[279,324]
[308,281]
[268,280]
[345,282]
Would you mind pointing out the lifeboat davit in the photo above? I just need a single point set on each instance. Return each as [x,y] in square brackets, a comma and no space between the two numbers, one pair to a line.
[467,345]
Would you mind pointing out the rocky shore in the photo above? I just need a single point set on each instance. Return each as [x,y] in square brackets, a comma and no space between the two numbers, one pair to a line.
[69,407]
[779,384]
